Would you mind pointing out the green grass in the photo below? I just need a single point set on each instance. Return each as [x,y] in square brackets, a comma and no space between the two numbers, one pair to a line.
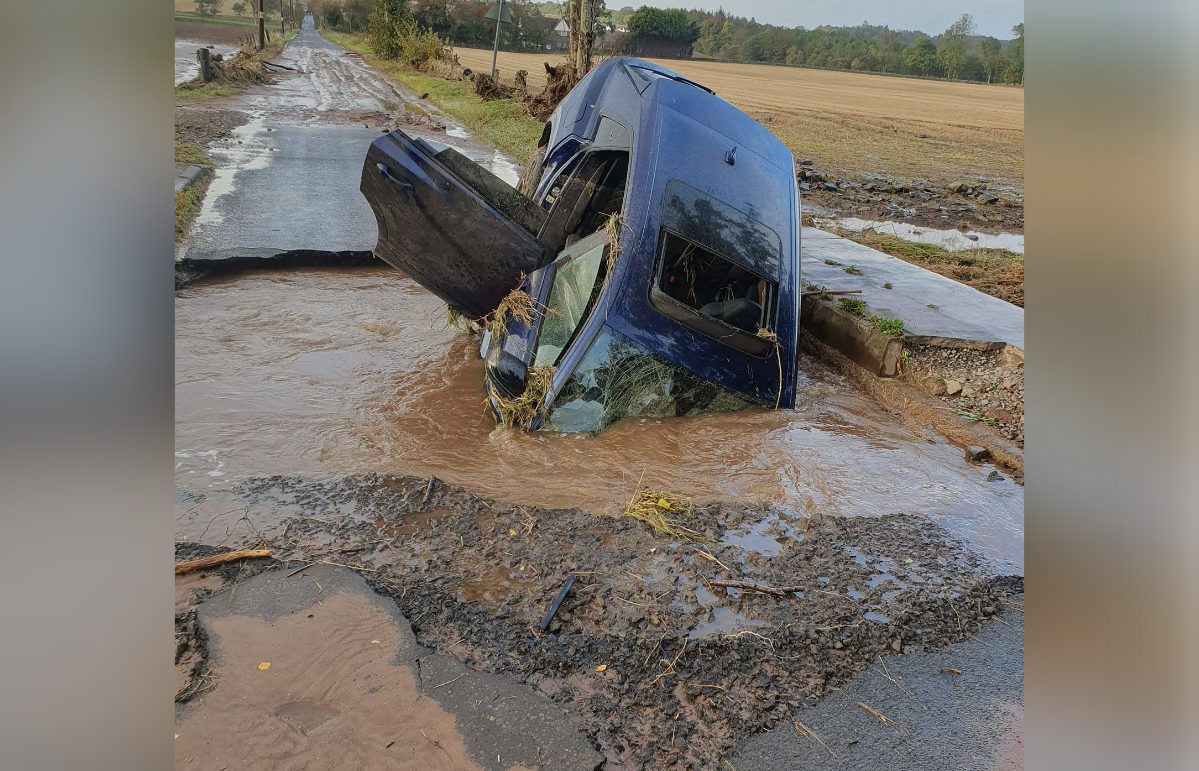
[893,327]
[189,153]
[853,270]
[913,251]
[502,122]
[854,306]
[207,91]
[187,204]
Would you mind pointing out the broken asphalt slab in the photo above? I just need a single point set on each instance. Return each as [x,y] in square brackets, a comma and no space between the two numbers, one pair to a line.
[360,682]
[957,709]
[930,305]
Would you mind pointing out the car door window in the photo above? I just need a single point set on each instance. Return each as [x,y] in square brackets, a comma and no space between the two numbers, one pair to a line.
[577,282]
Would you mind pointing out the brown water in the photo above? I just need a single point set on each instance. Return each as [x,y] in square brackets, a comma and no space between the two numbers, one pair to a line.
[325,373]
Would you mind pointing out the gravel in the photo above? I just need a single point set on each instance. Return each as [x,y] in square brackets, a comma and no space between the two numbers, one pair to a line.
[980,383]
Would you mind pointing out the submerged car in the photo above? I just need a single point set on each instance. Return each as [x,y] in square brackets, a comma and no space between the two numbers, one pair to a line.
[655,234]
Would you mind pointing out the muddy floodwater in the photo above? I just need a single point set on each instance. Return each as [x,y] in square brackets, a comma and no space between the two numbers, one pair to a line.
[323,373]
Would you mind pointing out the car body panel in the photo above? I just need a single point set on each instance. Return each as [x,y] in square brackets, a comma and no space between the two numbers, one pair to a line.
[696,164]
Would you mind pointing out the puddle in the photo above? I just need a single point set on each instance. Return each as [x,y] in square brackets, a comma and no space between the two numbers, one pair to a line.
[724,621]
[246,149]
[323,373]
[952,240]
[186,64]
[766,537]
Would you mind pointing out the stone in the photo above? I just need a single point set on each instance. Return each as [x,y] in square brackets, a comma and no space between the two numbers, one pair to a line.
[1000,414]
[986,197]
[975,453]
[804,186]
[994,476]
[805,162]
[971,236]
[895,646]
[952,387]
[969,392]
[814,176]
[830,186]
[958,187]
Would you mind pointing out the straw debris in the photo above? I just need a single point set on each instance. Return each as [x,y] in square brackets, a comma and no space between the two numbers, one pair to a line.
[663,512]
[518,305]
[522,411]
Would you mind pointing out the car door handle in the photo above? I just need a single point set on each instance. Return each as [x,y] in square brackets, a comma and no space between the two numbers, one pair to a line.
[387,175]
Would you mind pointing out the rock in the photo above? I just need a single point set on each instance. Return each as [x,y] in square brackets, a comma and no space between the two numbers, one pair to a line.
[1000,414]
[952,387]
[971,236]
[958,187]
[814,176]
[805,162]
[895,646]
[830,186]
[975,453]
[994,476]
[969,392]
[986,197]
[804,186]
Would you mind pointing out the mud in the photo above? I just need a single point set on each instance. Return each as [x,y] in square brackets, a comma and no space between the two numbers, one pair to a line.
[475,576]
[921,203]
[328,697]
[328,373]
[951,239]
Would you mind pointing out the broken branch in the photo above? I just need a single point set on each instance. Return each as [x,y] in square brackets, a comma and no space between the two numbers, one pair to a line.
[219,559]
[746,586]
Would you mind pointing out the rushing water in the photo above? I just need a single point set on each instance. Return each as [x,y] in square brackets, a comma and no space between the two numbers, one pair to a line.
[326,373]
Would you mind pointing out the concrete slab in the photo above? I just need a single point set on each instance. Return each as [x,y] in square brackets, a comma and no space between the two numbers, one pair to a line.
[189,175]
[941,720]
[340,683]
[929,304]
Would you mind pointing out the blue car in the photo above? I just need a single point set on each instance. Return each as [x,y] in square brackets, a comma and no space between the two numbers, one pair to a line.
[656,236]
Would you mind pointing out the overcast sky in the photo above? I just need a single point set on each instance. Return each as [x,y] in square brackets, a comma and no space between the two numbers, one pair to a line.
[992,17]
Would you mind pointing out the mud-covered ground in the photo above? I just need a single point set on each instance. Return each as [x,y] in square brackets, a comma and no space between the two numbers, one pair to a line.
[918,202]
[985,384]
[202,125]
[659,666]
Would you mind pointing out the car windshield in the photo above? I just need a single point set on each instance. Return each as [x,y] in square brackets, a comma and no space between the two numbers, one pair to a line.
[575,283]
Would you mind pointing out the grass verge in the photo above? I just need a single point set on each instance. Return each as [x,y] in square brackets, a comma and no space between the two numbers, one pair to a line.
[228,22]
[996,272]
[501,122]
[187,205]
[189,153]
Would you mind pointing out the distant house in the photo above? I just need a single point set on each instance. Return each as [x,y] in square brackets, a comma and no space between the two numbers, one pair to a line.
[557,32]
[561,37]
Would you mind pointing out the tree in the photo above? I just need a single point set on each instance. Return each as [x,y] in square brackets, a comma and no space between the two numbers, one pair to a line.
[922,58]
[209,7]
[239,9]
[388,20]
[653,31]
[1015,54]
[952,52]
[989,52]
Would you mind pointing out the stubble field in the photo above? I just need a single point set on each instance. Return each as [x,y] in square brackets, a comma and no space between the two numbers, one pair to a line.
[854,123]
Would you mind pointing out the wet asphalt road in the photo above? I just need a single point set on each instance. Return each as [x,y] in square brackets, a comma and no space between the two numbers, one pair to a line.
[943,722]
[288,179]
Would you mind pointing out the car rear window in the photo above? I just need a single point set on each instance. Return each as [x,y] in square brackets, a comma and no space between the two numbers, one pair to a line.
[722,229]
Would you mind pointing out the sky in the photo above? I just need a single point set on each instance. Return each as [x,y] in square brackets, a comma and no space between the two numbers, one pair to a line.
[991,17]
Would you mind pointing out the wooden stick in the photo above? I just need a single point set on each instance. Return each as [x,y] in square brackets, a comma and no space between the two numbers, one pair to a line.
[746,586]
[219,559]
[843,291]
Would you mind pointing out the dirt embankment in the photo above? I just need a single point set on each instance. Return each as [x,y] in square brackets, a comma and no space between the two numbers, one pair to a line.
[660,665]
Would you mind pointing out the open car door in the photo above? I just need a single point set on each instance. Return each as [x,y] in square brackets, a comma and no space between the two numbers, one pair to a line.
[452,226]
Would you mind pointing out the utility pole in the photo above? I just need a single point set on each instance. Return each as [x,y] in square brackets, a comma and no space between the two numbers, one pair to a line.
[261,27]
[582,35]
[495,51]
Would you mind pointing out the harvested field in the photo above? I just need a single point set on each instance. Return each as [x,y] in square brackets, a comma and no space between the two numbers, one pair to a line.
[854,123]
[213,33]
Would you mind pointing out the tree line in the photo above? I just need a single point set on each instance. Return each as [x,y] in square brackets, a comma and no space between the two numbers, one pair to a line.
[957,53]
